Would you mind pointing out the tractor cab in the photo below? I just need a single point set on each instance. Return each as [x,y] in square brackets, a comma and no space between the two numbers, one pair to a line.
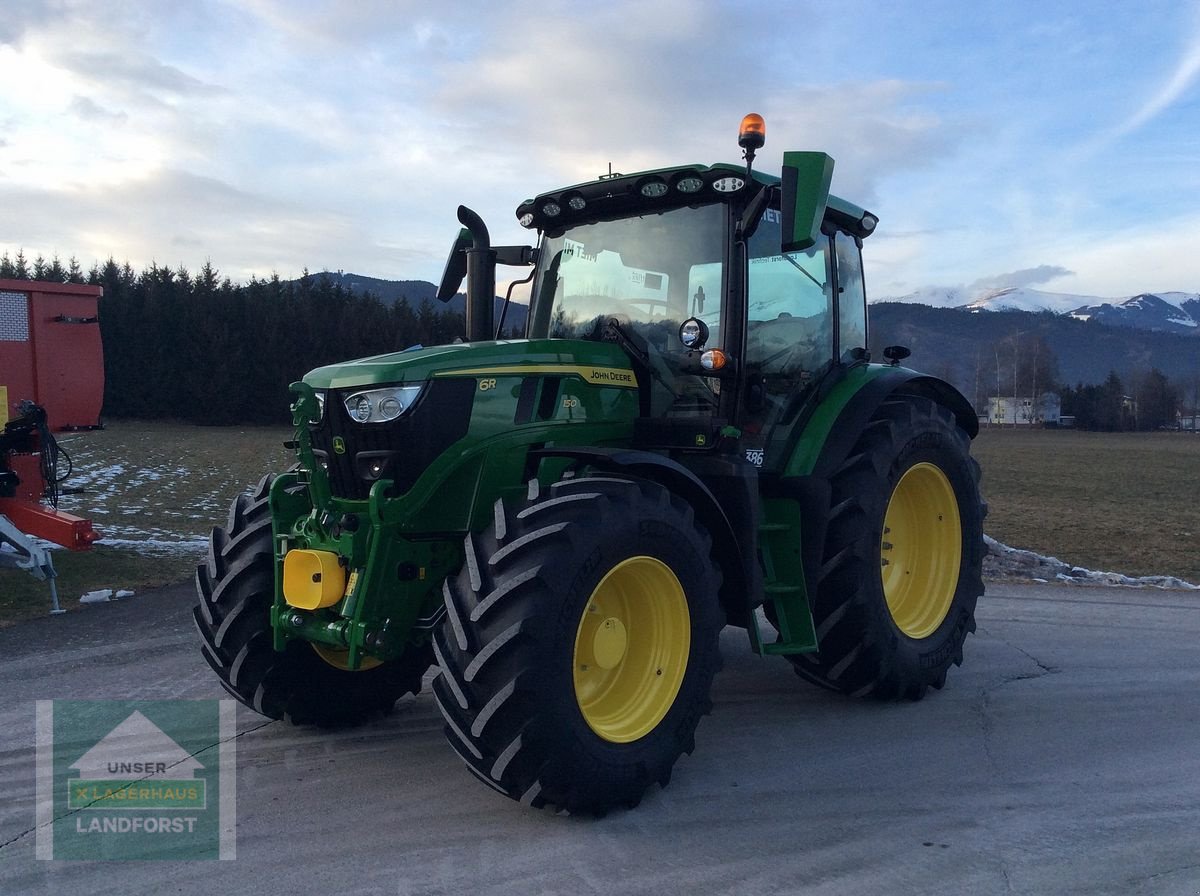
[733,292]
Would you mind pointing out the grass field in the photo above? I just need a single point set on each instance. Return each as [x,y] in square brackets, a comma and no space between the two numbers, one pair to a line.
[1118,502]
[153,491]
[1127,503]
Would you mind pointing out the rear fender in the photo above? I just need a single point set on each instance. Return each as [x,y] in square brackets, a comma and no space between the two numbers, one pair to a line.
[839,437]
[819,451]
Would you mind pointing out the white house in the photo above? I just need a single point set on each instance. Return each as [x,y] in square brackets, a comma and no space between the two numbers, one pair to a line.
[1004,409]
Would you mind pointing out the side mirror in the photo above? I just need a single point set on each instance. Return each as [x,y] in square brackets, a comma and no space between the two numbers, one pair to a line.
[456,267]
[805,184]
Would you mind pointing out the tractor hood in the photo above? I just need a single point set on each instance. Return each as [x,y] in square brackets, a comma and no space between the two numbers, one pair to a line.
[595,362]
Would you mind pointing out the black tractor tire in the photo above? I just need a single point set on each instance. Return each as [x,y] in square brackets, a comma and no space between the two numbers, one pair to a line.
[867,647]
[236,589]
[527,651]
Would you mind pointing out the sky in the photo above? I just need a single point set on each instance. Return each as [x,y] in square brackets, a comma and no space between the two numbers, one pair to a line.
[1052,145]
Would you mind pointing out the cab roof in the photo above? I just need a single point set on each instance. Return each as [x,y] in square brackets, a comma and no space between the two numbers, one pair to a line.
[620,195]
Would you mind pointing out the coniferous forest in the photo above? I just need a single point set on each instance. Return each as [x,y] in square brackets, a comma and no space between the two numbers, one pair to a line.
[199,348]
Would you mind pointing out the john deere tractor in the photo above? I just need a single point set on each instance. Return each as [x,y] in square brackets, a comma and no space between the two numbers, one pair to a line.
[691,435]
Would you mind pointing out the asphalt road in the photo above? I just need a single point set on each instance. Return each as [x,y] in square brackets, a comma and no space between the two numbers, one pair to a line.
[1064,757]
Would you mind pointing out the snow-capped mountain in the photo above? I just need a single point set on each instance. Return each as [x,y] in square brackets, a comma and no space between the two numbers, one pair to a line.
[1012,298]
[1174,312]
[1022,299]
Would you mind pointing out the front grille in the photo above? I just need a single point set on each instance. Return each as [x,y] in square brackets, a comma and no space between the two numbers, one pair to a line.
[399,450]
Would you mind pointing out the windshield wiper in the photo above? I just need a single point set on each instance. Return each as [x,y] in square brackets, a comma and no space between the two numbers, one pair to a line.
[803,271]
[613,331]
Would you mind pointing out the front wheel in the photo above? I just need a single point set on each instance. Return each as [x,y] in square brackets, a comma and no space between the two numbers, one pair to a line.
[580,643]
[903,553]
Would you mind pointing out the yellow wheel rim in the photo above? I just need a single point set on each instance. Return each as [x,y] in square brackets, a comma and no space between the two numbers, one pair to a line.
[337,658]
[921,550]
[631,649]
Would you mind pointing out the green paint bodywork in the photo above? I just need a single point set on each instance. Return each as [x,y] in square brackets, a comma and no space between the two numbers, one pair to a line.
[404,546]
[782,521]
[825,419]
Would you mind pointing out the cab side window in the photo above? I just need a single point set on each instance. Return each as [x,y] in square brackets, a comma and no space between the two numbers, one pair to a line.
[852,297]
[789,330]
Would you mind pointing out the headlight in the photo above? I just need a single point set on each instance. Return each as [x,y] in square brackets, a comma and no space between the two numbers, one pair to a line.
[320,396]
[381,405]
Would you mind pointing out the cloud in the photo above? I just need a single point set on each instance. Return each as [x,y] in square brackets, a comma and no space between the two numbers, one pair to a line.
[272,135]
[1186,71]
[615,85]
[1131,260]
[89,110]
[244,232]
[1026,277]
[19,18]
[137,70]
[1182,78]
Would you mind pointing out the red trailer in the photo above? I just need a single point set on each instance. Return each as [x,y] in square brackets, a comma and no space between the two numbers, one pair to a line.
[51,378]
[50,351]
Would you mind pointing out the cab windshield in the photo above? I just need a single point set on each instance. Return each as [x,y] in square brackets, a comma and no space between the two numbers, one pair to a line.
[651,272]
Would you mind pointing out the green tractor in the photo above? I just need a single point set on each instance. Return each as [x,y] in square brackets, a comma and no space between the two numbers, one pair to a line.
[690,435]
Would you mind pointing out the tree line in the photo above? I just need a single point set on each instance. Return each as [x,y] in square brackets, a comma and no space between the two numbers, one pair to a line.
[1147,401]
[199,348]
[1026,367]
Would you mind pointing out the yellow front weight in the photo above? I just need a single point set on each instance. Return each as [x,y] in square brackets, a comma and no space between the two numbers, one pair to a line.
[313,579]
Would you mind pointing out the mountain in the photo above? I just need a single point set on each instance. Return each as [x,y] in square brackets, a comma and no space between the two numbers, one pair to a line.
[387,291]
[1172,312]
[1009,298]
[1169,312]
[960,345]
[417,292]
[1014,298]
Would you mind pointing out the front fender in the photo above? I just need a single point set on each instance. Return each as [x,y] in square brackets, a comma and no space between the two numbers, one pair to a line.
[734,547]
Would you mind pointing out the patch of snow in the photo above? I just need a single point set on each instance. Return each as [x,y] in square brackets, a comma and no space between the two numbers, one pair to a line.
[158,545]
[1005,562]
[1022,299]
[934,296]
[1178,298]
[105,595]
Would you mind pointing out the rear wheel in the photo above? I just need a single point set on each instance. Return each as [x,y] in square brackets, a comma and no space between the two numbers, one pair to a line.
[580,643]
[903,553]
[308,684]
